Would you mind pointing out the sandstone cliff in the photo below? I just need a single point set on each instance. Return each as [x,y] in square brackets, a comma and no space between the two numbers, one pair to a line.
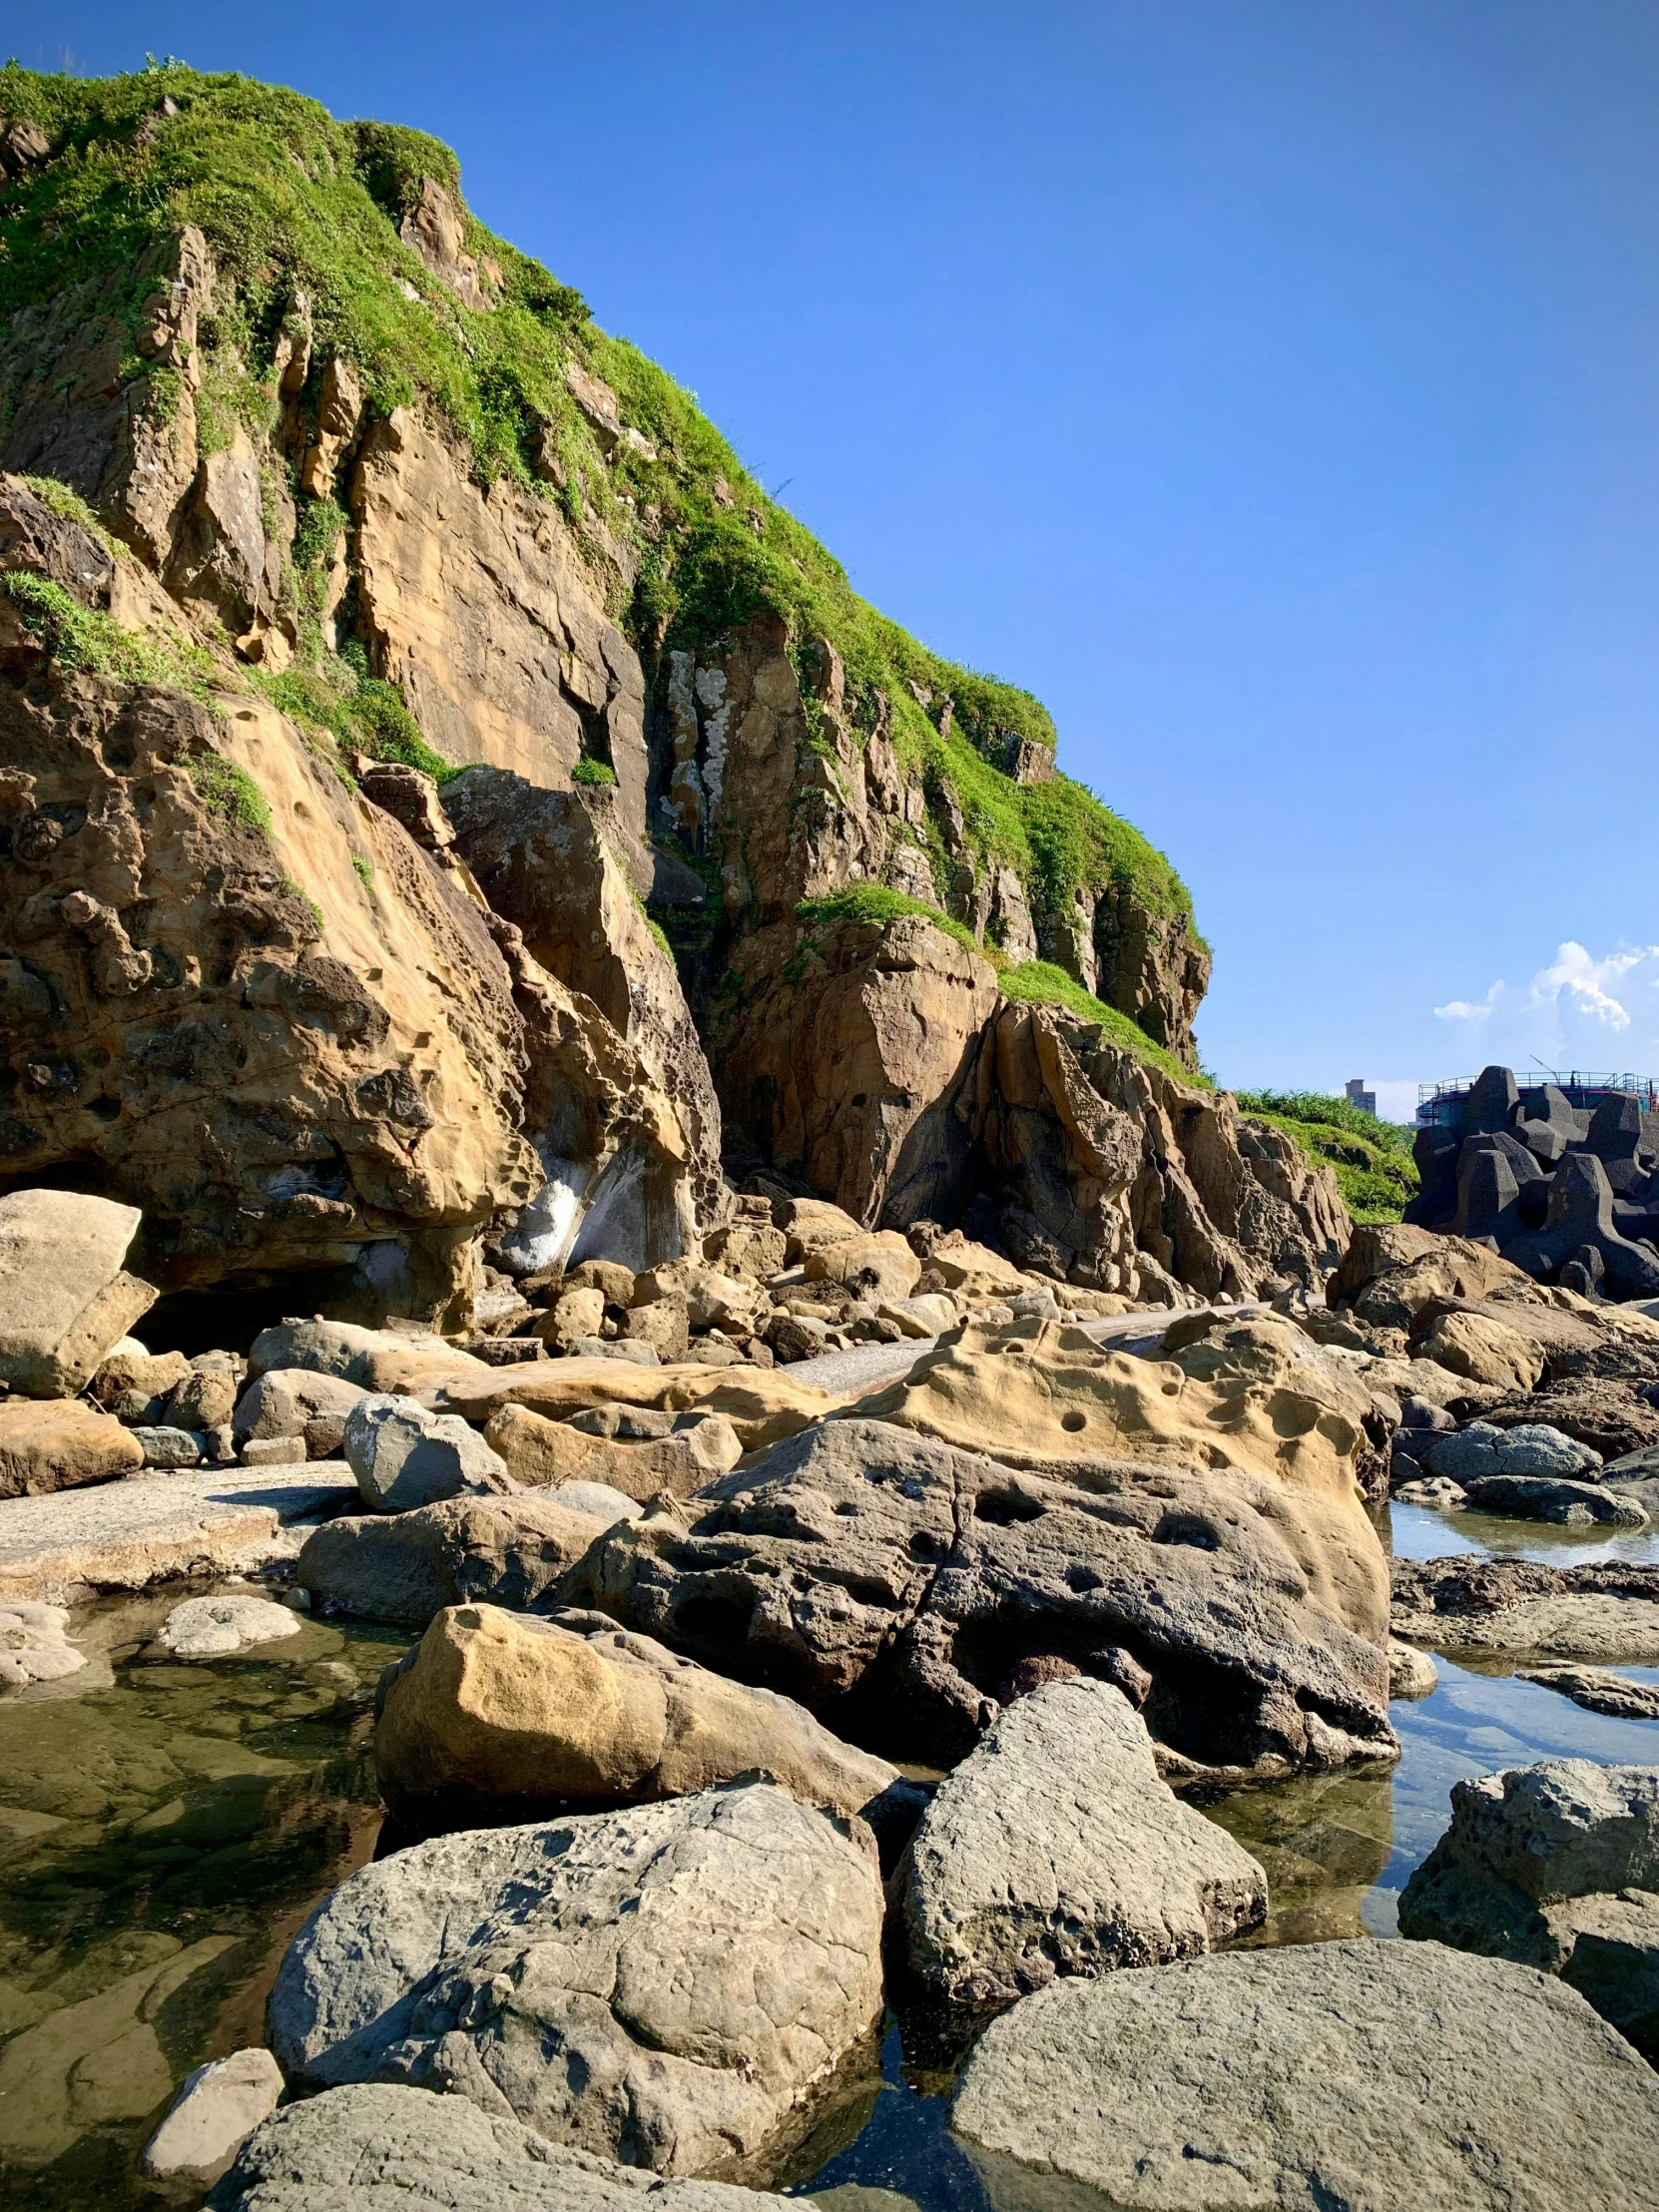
[338,496]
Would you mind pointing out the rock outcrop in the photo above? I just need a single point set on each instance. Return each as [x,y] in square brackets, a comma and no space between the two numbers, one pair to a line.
[1273,2077]
[407,1567]
[1056,1848]
[897,1584]
[1605,1612]
[65,1297]
[496,1712]
[671,1985]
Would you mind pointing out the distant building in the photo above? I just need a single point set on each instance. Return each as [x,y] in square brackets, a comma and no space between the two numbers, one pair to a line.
[1357,1095]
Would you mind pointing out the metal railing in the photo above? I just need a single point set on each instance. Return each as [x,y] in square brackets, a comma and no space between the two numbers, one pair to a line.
[1580,1087]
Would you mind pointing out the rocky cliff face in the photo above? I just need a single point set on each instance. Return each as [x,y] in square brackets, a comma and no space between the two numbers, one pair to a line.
[326,1007]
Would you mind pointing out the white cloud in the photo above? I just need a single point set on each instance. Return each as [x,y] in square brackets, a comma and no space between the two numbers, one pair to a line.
[1476,1010]
[1583,982]
[1567,1016]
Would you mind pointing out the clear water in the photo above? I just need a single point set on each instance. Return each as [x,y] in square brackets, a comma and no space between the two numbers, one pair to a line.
[166,1825]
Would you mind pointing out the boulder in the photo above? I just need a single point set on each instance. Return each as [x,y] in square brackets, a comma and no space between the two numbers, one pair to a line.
[691,1450]
[670,1985]
[1391,1271]
[761,1406]
[1543,1499]
[811,1225]
[878,1267]
[573,1314]
[928,1314]
[378,1359]
[294,1401]
[634,1351]
[500,1713]
[609,1277]
[1442,1495]
[1555,1865]
[356,2150]
[207,1399]
[598,1499]
[406,1567]
[1484,1350]
[35,1645]
[273,1451]
[1360,2075]
[402,1456]
[216,2110]
[973,1270]
[57,1445]
[1056,1848]
[138,1386]
[169,1447]
[1411,1673]
[214,1627]
[662,1324]
[1529,1448]
[747,1246]
[893,1583]
[65,1293]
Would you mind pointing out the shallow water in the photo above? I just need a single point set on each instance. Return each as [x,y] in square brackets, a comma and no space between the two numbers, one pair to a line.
[166,1825]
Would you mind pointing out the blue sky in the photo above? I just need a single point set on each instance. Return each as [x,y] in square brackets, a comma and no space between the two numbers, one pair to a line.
[1273,388]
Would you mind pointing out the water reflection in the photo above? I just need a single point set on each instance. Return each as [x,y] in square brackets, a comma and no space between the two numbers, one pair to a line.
[164,1829]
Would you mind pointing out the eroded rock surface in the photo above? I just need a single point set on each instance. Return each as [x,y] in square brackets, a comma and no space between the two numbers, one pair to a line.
[893,1582]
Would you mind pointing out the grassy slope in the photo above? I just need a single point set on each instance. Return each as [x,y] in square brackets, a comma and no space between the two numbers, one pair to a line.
[292,202]
[1373,1159]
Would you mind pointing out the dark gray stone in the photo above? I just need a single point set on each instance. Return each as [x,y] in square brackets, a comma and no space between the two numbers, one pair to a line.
[1541,1499]
[1492,1102]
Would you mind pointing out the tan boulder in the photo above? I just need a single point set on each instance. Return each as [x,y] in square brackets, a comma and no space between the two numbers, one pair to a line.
[712,1300]
[57,1445]
[544,1452]
[1391,1271]
[974,1269]
[294,1401]
[65,1295]
[575,1313]
[135,1385]
[606,1276]
[1043,1395]
[809,1223]
[747,1246]
[662,1324]
[383,1360]
[1211,1348]
[207,1399]
[522,1713]
[1484,1350]
[879,1266]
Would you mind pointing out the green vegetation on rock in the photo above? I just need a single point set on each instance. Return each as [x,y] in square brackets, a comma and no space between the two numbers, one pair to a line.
[298,206]
[1371,1158]
[1041,983]
[1036,982]
[84,638]
[227,789]
[597,774]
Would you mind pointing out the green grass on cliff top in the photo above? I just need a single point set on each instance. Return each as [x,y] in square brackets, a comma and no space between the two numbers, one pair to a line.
[1036,982]
[292,202]
[1372,1159]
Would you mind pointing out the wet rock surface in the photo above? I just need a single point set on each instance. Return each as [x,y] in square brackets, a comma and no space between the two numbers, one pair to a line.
[1598,1611]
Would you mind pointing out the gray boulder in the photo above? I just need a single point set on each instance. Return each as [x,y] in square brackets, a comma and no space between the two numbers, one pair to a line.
[671,1986]
[294,1401]
[1554,1865]
[386,2150]
[169,1447]
[1056,1848]
[1530,1448]
[1536,1497]
[1599,1690]
[214,1627]
[1375,2077]
[406,1567]
[404,1457]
